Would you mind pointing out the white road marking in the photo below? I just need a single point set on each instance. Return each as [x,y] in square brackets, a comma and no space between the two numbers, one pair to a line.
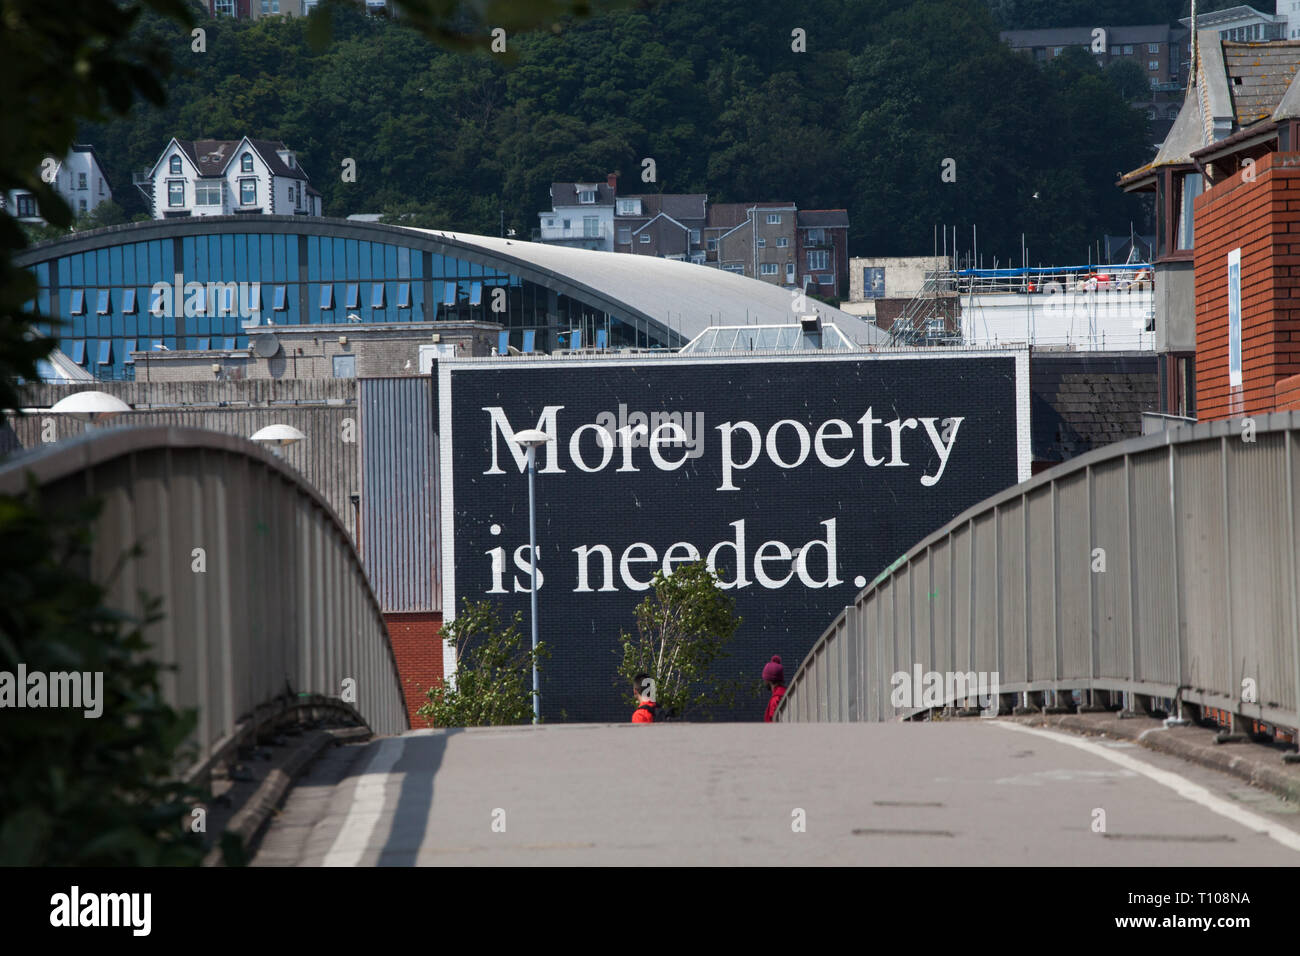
[1180,785]
[367,807]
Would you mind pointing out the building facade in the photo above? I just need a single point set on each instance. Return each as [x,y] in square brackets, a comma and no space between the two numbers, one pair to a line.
[822,251]
[211,177]
[78,178]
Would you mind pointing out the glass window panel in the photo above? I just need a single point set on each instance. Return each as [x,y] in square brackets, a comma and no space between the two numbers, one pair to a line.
[291,257]
[78,302]
[128,301]
[115,266]
[449,293]
[404,295]
[437,266]
[203,343]
[354,295]
[377,296]
[326,297]
[105,352]
[365,264]
[390,261]
[281,299]
[228,342]
[267,258]
[79,351]
[78,272]
[788,337]
[254,297]
[227,257]
[404,262]
[104,304]
[313,258]
[65,271]
[167,255]
[766,338]
[476,293]
[707,339]
[127,358]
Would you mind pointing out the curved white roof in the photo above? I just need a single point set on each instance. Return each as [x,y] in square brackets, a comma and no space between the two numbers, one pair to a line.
[684,296]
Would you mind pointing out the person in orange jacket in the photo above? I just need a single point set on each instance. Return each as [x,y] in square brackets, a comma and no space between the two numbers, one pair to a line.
[643,687]
[774,677]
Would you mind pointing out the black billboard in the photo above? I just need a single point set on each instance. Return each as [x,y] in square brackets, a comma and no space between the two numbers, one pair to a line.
[803,477]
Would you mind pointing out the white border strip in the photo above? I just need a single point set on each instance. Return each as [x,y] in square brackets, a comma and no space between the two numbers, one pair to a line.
[1180,785]
[446,464]
[367,807]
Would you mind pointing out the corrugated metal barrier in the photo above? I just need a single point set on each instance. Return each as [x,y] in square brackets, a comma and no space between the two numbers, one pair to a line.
[1160,567]
[265,602]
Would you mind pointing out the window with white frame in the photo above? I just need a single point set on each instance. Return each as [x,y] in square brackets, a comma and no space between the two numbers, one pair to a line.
[586,195]
[26,207]
[629,207]
[226,7]
[774,219]
[769,268]
[712,245]
[207,194]
[625,234]
[174,166]
[81,181]
[1153,47]
[248,192]
[591,227]
[246,163]
[818,258]
[762,243]
[1153,65]
[176,193]
[782,242]
[695,237]
[645,238]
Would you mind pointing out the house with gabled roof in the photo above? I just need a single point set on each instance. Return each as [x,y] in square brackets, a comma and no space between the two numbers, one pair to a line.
[1223,184]
[212,177]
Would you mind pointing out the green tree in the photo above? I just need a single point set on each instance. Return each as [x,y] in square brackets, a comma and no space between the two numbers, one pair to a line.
[494,667]
[682,630]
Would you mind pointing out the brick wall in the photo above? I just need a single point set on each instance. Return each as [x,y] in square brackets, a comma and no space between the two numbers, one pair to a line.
[1287,394]
[1262,218]
[417,645]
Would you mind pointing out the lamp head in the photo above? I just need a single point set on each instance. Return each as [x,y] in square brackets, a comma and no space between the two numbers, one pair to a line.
[532,438]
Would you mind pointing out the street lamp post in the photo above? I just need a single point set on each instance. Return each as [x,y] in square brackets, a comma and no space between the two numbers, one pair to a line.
[532,439]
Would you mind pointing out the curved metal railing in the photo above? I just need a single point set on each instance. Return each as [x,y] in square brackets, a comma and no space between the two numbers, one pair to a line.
[266,607]
[1163,566]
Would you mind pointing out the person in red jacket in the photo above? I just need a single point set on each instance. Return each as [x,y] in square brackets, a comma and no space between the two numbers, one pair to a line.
[774,677]
[644,689]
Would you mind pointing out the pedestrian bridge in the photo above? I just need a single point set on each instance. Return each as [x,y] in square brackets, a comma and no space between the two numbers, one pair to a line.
[1161,570]
[267,612]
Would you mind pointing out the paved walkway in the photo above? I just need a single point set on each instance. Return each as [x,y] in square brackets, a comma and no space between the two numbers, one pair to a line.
[971,792]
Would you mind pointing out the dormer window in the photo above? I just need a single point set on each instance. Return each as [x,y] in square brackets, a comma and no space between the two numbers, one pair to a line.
[246,163]
[174,166]
[586,195]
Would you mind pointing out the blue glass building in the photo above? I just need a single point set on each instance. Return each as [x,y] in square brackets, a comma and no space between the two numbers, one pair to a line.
[100,286]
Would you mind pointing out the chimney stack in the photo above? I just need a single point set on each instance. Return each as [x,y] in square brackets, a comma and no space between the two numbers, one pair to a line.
[612,180]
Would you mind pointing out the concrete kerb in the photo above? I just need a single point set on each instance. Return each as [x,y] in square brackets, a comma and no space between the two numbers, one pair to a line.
[249,820]
[1258,765]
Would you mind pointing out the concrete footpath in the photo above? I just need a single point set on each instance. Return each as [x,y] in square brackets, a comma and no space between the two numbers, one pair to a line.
[962,792]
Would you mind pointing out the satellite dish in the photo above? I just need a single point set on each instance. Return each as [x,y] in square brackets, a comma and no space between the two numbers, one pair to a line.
[265,345]
[278,435]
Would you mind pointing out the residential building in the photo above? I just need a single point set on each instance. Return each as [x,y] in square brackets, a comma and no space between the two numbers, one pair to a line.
[581,215]
[210,177]
[754,239]
[822,251]
[78,178]
[667,225]
[1163,53]
[1221,182]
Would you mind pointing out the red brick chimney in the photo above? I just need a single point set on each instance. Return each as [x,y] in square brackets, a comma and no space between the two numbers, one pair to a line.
[612,180]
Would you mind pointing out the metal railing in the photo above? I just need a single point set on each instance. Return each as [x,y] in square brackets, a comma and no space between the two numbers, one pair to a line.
[266,607]
[1164,566]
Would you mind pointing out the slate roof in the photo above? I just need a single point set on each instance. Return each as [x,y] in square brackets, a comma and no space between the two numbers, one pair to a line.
[566,194]
[1259,76]
[1082,36]
[212,156]
[823,219]
[677,205]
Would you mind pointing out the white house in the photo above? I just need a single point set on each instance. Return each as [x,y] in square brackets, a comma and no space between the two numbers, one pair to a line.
[78,178]
[581,215]
[211,177]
